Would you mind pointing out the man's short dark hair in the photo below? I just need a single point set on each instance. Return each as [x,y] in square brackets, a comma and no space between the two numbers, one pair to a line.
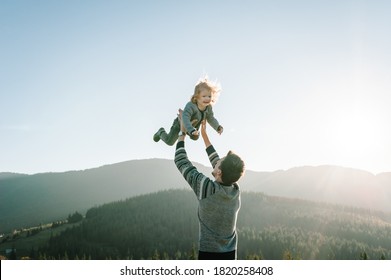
[232,168]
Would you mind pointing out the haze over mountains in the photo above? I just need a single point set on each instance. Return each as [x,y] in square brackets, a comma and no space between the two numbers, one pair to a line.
[31,199]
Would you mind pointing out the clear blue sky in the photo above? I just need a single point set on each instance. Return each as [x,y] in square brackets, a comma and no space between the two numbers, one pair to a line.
[87,83]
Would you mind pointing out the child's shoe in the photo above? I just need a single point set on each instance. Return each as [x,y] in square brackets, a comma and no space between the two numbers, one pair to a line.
[156,136]
[194,137]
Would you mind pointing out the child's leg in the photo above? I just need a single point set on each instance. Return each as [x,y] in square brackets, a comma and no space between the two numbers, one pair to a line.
[171,137]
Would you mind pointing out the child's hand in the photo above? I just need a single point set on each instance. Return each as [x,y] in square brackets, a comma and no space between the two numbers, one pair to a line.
[195,132]
[220,130]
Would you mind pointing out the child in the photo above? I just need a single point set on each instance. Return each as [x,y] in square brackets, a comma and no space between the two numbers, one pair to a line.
[198,109]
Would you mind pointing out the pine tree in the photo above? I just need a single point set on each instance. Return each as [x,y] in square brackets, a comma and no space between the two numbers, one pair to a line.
[178,255]
[193,253]
[363,256]
[287,255]
[12,255]
[32,254]
[156,255]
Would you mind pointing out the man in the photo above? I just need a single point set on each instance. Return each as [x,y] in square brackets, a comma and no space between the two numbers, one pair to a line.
[219,200]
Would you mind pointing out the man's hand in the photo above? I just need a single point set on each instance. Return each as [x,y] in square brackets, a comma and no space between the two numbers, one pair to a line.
[195,132]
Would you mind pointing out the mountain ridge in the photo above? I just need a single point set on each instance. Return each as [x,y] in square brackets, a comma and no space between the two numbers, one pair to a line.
[17,174]
[42,197]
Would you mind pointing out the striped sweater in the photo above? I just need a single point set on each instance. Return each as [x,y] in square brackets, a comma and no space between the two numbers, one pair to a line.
[218,204]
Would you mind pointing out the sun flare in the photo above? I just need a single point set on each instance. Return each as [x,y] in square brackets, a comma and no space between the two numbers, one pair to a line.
[357,137]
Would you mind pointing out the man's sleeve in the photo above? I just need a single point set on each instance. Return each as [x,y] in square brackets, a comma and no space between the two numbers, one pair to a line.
[201,185]
[213,156]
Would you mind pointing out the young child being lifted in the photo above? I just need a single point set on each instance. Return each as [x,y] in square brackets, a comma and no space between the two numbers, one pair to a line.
[199,108]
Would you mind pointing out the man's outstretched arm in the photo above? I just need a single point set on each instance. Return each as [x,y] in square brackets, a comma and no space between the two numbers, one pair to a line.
[201,185]
[210,150]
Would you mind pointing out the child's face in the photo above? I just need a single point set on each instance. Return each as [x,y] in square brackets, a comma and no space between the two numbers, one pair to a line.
[204,98]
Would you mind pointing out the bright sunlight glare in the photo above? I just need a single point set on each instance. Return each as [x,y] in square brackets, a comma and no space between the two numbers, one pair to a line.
[357,136]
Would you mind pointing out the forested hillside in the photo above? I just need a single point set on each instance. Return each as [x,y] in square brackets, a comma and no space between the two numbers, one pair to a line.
[27,200]
[164,225]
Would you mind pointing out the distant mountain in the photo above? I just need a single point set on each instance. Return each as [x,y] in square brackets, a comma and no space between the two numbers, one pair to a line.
[326,183]
[31,199]
[8,175]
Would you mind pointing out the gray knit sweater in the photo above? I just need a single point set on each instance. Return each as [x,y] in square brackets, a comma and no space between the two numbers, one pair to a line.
[192,113]
[218,204]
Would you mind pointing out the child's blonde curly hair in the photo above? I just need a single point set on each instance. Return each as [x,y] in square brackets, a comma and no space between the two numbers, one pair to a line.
[205,83]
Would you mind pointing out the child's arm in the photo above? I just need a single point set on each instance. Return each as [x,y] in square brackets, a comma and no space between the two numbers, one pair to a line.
[186,117]
[213,121]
